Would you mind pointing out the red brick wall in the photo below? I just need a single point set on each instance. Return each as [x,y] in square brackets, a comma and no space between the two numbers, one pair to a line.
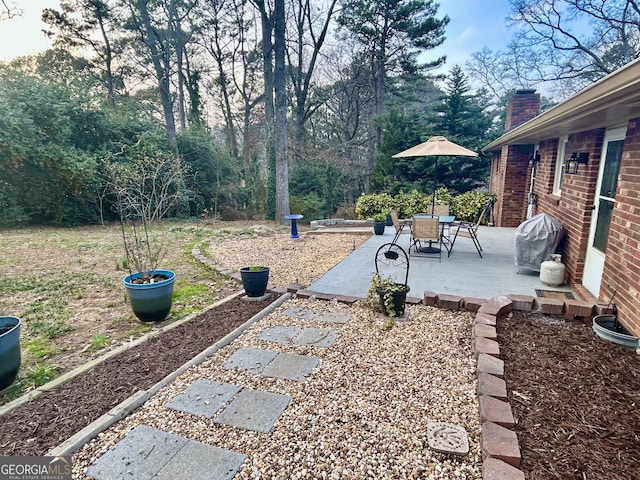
[575,205]
[622,264]
[510,175]
[510,182]
[523,106]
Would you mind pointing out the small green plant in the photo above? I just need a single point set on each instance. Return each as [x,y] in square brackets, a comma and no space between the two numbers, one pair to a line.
[379,217]
[41,374]
[386,287]
[99,341]
[139,330]
[256,268]
[39,348]
[52,329]
[388,325]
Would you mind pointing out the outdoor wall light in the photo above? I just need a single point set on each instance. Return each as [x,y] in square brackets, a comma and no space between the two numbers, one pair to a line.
[534,159]
[574,160]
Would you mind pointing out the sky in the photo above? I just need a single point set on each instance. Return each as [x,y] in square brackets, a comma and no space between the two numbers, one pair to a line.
[473,25]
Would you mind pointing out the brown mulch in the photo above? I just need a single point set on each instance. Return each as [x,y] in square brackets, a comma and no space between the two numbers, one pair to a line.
[48,420]
[575,397]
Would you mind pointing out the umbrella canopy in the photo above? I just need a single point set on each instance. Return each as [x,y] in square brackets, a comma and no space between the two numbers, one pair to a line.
[436,146]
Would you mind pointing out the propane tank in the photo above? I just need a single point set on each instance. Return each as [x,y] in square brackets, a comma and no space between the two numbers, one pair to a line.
[552,271]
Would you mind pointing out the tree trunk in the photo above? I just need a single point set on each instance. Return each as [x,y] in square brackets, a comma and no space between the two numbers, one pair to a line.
[280,80]
[162,71]
[267,56]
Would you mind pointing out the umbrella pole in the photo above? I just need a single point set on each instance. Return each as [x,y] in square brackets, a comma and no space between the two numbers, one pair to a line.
[435,186]
[431,248]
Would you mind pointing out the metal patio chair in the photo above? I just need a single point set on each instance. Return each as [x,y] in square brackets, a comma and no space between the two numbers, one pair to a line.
[426,229]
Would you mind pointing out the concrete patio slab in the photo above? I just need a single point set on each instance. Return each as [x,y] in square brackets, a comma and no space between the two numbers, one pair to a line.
[254,410]
[463,273]
[203,397]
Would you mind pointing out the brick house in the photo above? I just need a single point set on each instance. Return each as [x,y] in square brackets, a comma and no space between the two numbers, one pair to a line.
[599,205]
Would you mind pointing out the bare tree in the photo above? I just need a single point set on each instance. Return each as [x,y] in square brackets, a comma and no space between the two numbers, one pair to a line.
[567,44]
[79,32]
[309,26]
[8,10]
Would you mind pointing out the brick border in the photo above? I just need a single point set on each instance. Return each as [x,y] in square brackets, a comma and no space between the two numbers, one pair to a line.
[501,456]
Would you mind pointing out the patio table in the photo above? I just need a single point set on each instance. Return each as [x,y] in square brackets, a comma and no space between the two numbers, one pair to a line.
[443,220]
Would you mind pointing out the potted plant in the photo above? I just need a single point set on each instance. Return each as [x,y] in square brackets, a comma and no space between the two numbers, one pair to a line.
[388,221]
[379,222]
[9,350]
[145,193]
[388,295]
[255,279]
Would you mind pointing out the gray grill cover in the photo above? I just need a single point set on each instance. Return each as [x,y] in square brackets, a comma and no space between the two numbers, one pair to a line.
[536,239]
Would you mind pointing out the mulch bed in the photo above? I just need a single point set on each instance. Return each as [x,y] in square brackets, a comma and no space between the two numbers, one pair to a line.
[575,397]
[48,420]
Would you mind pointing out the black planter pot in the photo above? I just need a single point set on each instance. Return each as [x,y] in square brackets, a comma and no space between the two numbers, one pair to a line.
[399,298]
[9,350]
[254,282]
[389,221]
[378,228]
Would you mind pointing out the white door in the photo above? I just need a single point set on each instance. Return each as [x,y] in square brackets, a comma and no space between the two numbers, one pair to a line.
[604,203]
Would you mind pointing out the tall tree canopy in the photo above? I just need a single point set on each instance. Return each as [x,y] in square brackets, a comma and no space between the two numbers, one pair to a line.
[567,44]
[392,33]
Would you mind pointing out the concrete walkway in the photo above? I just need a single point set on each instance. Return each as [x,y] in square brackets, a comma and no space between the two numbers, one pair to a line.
[463,273]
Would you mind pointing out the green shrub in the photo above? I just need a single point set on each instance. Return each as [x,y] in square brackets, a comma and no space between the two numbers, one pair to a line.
[311,206]
[469,205]
[374,204]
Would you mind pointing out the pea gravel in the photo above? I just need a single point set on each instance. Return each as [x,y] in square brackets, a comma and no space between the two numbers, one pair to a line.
[364,411]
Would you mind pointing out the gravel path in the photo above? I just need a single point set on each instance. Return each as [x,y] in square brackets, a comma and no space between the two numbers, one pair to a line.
[363,414]
[302,260]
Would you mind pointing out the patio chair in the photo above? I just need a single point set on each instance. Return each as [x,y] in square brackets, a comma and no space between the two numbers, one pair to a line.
[443,211]
[400,228]
[427,230]
[470,230]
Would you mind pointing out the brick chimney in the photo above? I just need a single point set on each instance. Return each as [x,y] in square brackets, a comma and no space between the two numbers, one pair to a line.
[523,106]
[510,173]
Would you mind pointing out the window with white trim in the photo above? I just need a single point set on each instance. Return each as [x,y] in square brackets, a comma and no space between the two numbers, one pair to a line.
[559,173]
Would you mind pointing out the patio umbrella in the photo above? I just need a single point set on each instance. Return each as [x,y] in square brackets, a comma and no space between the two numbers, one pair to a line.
[435,147]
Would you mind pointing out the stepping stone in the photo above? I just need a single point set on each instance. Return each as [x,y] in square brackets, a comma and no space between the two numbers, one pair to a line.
[316,337]
[300,312]
[307,314]
[203,397]
[146,453]
[199,461]
[447,438]
[291,367]
[254,410]
[252,360]
[279,334]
